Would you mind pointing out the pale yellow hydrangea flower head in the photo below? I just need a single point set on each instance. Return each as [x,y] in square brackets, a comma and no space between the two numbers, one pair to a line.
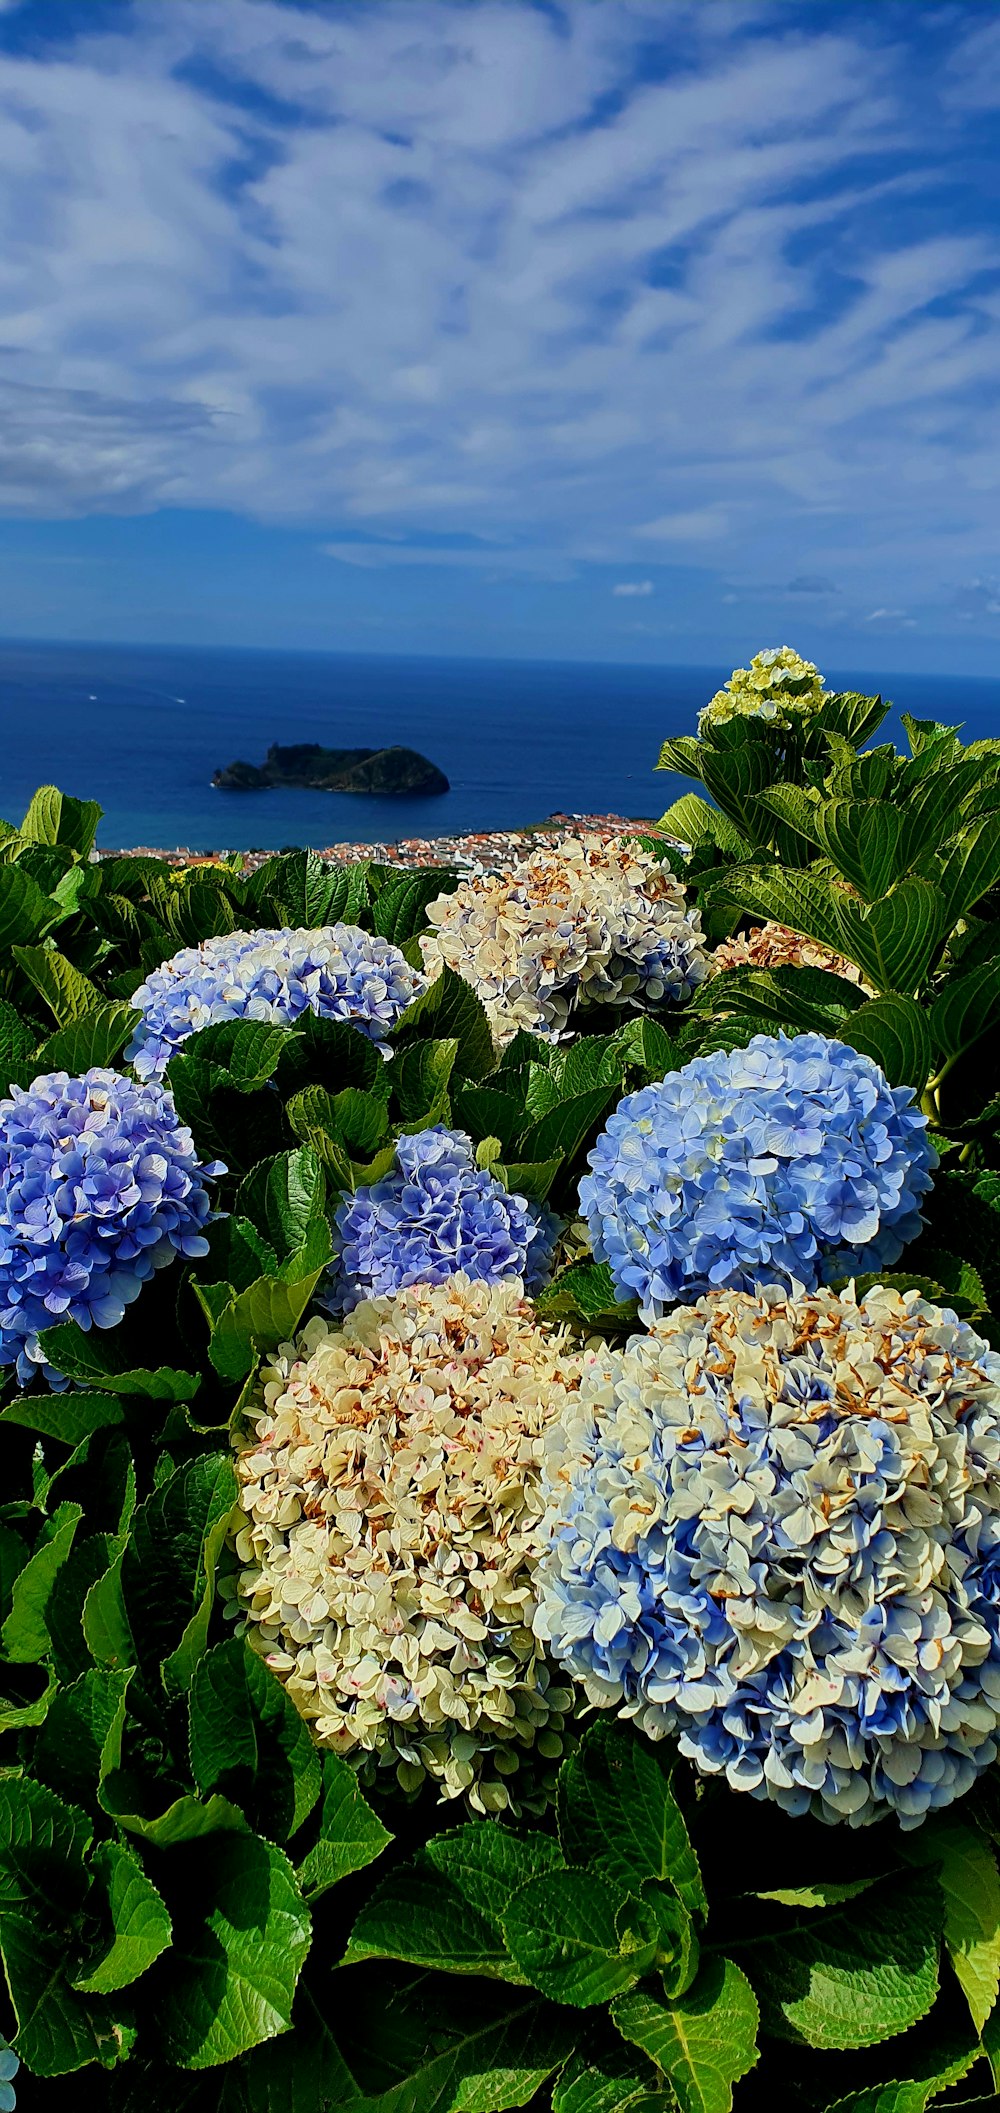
[777,685]
[390,1502]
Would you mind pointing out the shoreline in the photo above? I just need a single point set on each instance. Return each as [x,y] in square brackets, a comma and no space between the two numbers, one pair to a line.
[472,851]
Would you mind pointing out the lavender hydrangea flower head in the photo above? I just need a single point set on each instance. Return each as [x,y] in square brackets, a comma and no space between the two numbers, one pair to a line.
[99,1187]
[435,1213]
[590,923]
[338,972]
[391,1502]
[773,1530]
[786,1162]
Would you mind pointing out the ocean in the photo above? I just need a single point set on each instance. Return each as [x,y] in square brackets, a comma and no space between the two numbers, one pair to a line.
[141,729]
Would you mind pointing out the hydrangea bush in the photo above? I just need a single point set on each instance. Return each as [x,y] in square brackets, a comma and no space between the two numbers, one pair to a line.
[339,973]
[776,1163]
[379,1695]
[436,1212]
[774,1530]
[591,924]
[391,1494]
[100,1185]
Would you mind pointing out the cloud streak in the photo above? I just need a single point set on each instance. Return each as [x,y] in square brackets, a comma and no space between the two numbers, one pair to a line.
[631,284]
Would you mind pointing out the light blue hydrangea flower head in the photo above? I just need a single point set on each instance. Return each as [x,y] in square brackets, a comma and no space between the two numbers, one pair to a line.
[790,1161]
[9,2066]
[99,1187]
[338,972]
[435,1213]
[773,1530]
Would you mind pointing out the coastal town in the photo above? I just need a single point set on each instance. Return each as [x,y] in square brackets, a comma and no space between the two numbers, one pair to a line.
[482,851]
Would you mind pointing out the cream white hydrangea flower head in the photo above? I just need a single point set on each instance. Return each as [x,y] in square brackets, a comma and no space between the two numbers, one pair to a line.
[591,923]
[391,1504]
[777,685]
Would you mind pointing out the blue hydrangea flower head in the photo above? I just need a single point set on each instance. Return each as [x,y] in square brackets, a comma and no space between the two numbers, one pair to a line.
[435,1213]
[792,1161]
[772,1530]
[99,1186]
[9,2066]
[338,972]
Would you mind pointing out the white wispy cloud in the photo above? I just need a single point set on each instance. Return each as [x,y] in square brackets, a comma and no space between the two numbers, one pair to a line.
[632,587]
[489,270]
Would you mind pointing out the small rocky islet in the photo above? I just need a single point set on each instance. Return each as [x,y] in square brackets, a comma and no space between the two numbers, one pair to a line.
[307,763]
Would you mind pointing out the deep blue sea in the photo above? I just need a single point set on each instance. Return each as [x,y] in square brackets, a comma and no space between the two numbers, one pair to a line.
[141,729]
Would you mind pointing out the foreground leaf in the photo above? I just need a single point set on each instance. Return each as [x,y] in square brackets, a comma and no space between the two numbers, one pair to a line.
[248,1737]
[140,1923]
[235,1964]
[704,2042]
[414,2049]
[563,1932]
[968,1877]
[857,1975]
[351,1834]
[618,1813]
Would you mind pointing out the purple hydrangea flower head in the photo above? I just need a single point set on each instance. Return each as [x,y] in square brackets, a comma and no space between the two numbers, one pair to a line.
[435,1213]
[790,1161]
[772,1530]
[99,1186]
[337,972]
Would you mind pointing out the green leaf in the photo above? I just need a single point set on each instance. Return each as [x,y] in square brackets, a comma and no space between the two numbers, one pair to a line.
[563,1130]
[862,839]
[68,994]
[894,940]
[248,1737]
[704,2042]
[420,1076]
[825,1893]
[90,1359]
[54,817]
[971,868]
[59,2030]
[351,1834]
[67,1417]
[140,1924]
[25,1631]
[450,1008]
[82,1732]
[237,1952]
[562,1930]
[967,1007]
[43,1844]
[487,1864]
[105,1621]
[284,1197]
[168,1568]
[895,1033]
[93,1041]
[401,905]
[691,819]
[618,1814]
[855,1975]
[936,2070]
[608,2079]
[968,1877]
[26,912]
[734,776]
[418,2051]
[188,1819]
[248,1050]
[586,1290]
[485,1111]
[269,1311]
[416,1916]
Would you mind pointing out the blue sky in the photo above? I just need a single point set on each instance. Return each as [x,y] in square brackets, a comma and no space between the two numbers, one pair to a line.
[627,329]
